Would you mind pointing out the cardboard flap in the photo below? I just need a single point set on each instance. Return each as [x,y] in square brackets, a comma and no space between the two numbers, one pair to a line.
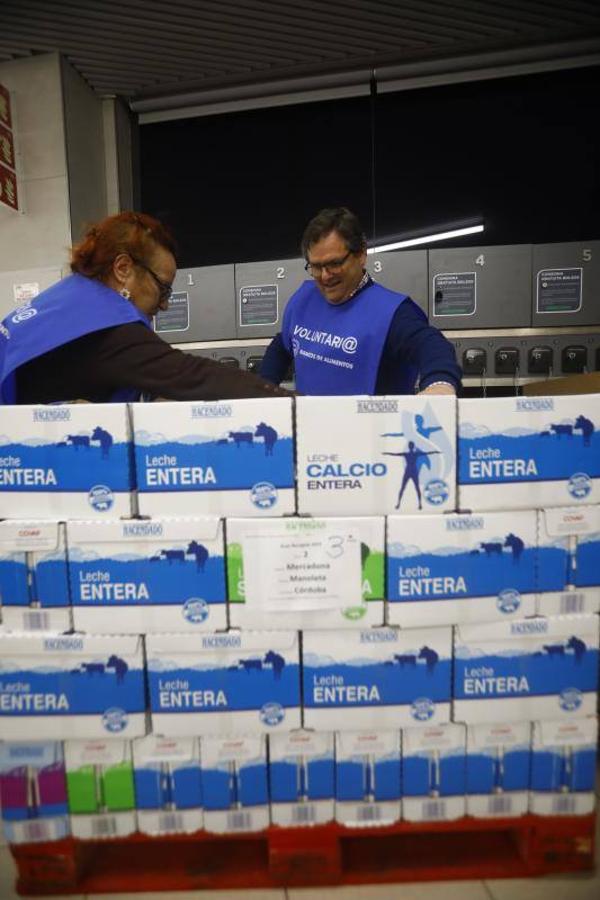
[509,734]
[434,737]
[572,520]
[573,732]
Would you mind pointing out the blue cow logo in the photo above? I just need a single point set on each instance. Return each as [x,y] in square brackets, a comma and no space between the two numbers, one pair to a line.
[263,495]
[579,485]
[195,610]
[100,497]
[509,600]
[422,709]
[272,714]
[570,699]
[91,669]
[115,720]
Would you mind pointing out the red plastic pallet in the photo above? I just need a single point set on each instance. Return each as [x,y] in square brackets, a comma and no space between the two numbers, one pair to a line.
[324,855]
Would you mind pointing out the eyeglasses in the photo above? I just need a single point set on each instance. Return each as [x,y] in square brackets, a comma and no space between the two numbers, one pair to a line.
[333,266]
[164,288]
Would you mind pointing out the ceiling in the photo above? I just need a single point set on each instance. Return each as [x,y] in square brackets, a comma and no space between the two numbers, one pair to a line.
[153,50]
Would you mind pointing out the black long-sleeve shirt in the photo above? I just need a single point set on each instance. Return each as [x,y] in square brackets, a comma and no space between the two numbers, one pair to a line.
[93,367]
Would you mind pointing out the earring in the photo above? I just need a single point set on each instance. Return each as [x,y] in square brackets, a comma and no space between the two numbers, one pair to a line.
[125,293]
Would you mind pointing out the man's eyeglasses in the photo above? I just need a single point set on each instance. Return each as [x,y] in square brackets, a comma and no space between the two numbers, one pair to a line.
[164,288]
[333,266]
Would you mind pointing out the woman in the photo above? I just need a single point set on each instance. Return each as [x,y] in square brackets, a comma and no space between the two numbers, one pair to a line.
[90,336]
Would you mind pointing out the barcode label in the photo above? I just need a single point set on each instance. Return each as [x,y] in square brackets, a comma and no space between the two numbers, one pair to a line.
[500,806]
[370,812]
[434,809]
[239,821]
[170,821]
[104,826]
[36,621]
[301,815]
[35,831]
[564,806]
[572,603]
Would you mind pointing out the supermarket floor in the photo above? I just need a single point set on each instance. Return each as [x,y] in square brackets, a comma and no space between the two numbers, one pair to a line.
[557,887]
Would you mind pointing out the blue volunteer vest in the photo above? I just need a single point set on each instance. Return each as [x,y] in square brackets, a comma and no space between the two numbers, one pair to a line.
[337,348]
[68,310]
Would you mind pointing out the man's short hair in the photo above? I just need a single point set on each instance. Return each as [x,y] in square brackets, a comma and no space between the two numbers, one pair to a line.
[338,219]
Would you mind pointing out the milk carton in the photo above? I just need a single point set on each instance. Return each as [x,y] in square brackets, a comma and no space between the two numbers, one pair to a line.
[52,685]
[510,671]
[234,784]
[168,784]
[223,684]
[569,560]
[306,573]
[33,792]
[376,678]
[302,778]
[368,782]
[34,589]
[443,570]
[134,576]
[384,455]
[433,773]
[520,452]
[227,458]
[100,787]
[563,770]
[498,765]
[60,462]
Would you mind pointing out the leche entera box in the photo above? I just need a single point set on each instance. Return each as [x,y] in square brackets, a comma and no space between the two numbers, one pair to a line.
[224,683]
[138,576]
[226,458]
[498,767]
[33,791]
[60,462]
[53,685]
[376,455]
[301,778]
[235,784]
[569,560]
[563,767]
[525,669]
[433,773]
[306,572]
[523,452]
[445,570]
[367,777]
[168,784]
[100,788]
[34,588]
[376,678]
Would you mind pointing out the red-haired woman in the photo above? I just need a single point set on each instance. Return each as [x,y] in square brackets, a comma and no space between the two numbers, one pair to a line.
[90,336]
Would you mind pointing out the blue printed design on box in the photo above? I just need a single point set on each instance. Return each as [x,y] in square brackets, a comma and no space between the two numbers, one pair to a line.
[35,685]
[587,572]
[230,785]
[483,568]
[163,785]
[256,680]
[44,584]
[560,448]
[75,463]
[298,778]
[397,679]
[168,577]
[498,770]
[369,778]
[560,664]
[564,768]
[431,773]
[252,457]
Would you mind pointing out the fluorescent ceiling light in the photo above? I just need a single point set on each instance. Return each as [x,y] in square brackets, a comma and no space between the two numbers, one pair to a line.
[426,239]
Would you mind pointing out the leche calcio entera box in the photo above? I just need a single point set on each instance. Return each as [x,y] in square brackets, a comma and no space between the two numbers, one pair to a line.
[376,455]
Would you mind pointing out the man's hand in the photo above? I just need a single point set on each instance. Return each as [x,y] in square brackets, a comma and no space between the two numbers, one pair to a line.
[439,389]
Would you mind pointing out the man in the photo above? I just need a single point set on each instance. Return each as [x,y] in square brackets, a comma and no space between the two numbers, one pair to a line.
[349,335]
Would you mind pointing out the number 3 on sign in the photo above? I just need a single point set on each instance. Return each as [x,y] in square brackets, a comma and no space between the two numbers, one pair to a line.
[335,546]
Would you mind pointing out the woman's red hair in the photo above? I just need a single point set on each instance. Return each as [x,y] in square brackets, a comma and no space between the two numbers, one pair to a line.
[127,232]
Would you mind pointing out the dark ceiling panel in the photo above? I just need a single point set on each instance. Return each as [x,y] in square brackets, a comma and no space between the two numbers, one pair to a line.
[152,48]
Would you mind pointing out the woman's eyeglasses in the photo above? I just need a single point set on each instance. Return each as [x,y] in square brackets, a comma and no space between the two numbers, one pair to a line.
[164,288]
